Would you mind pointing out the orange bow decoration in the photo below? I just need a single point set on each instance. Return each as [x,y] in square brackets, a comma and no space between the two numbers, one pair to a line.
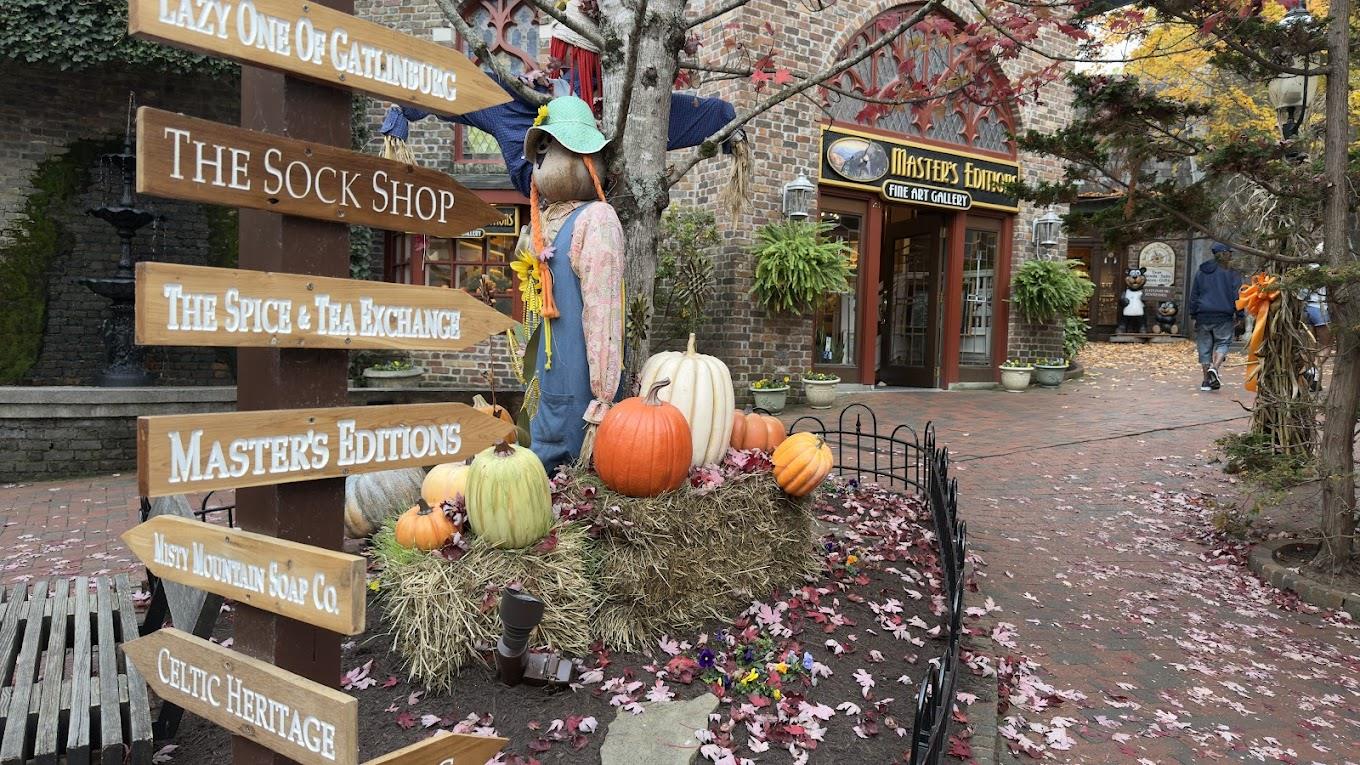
[1255,298]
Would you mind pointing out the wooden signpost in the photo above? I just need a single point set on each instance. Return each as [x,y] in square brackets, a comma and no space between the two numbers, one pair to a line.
[195,305]
[444,748]
[313,585]
[181,157]
[201,452]
[296,717]
[309,40]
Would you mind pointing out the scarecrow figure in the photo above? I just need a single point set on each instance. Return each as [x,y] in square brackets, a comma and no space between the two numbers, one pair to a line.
[572,257]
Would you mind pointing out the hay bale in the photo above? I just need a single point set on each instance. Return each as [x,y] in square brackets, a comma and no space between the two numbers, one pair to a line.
[440,611]
[672,562]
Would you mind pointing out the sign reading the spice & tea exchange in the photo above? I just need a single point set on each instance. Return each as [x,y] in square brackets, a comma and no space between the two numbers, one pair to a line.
[296,717]
[321,587]
[177,454]
[321,44]
[917,173]
[197,160]
[196,305]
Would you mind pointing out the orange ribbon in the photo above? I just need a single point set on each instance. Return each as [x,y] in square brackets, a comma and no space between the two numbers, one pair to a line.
[1255,298]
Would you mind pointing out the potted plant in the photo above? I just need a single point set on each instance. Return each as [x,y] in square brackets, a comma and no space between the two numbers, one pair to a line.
[397,373]
[1049,372]
[1015,375]
[820,389]
[1045,290]
[771,393]
[797,264]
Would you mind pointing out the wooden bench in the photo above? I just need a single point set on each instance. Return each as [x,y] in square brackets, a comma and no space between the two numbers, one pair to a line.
[66,692]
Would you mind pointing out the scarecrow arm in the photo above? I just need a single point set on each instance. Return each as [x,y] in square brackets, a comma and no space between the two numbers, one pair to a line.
[597,259]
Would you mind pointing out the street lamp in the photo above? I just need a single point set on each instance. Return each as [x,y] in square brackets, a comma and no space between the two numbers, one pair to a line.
[798,197]
[1046,228]
[1291,94]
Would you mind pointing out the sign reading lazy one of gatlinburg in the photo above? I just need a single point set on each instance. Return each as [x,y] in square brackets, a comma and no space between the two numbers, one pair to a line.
[201,161]
[194,305]
[321,587]
[201,452]
[322,44]
[296,717]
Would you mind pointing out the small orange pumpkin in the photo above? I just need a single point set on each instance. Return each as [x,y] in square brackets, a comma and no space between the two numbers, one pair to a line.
[643,446]
[757,431]
[480,403]
[424,528]
[445,483]
[800,463]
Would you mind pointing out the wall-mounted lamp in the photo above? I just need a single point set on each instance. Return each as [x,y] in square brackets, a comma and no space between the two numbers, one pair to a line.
[1046,229]
[798,197]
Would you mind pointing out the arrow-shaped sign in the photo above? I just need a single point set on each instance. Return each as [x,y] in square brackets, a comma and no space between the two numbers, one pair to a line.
[444,748]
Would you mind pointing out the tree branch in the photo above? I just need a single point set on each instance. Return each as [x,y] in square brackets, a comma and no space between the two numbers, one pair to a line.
[790,91]
[630,69]
[727,7]
[481,51]
[549,7]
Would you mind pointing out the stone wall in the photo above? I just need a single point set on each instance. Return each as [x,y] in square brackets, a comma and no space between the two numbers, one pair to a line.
[47,110]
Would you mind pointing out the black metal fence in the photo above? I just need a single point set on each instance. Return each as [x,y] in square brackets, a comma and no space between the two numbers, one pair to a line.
[907,460]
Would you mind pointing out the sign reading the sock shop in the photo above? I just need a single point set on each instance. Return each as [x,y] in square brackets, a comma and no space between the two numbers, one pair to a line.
[197,160]
[917,173]
[177,454]
[322,44]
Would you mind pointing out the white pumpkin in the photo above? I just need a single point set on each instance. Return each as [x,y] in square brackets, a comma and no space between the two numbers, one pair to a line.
[371,498]
[701,388]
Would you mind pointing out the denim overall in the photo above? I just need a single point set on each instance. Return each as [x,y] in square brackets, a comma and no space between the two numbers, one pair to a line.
[557,430]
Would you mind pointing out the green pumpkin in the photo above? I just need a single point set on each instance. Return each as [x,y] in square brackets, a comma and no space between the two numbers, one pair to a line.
[509,502]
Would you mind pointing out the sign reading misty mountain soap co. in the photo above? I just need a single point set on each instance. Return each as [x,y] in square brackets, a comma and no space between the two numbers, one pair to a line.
[915,173]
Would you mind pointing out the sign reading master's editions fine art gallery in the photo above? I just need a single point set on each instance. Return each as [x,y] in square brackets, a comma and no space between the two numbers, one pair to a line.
[197,160]
[322,44]
[917,173]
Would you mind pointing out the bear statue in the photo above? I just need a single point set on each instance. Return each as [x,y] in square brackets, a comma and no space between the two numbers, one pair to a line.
[1132,315]
[1167,311]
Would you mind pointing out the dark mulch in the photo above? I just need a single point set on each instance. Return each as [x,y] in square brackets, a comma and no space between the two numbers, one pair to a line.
[882,612]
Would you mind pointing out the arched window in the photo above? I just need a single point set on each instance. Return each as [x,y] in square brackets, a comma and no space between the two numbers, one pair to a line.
[510,27]
[971,117]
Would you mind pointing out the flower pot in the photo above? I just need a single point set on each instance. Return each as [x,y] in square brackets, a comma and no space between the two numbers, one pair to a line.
[821,394]
[1049,376]
[397,378]
[771,399]
[1016,379]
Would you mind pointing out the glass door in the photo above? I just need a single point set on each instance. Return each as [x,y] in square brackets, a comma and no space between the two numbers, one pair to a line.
[835,340]
[909,302]
[981,247]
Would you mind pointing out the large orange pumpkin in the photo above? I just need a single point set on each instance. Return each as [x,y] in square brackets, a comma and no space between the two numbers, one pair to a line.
[643,446]
[756,431]
[800,463]
[423,527]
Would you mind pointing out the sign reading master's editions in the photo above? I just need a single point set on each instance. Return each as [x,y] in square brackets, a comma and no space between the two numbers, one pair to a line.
[296,717]
[182,453]
[917,173]
[322,44]
[201,161]
[195,305]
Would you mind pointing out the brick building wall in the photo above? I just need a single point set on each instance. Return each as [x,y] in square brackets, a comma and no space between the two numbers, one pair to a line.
[47,110]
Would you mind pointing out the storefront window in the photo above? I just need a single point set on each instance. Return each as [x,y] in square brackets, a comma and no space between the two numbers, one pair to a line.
[834,343]
[980,249]
[464,264]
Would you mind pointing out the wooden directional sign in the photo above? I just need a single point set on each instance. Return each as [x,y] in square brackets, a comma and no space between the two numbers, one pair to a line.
[321,587]
[312,41]
[445,748]
[201,452]
[294,716]
[182,157]
[194,305]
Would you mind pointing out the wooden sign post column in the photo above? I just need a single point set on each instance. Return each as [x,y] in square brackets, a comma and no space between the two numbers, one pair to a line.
[310,512]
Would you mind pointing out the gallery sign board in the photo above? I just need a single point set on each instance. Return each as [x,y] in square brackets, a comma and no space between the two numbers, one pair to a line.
[321,587]
[444,748]
[197,305]
[913,172]
[301,719]
[309,40]
[183,453]
[181,157]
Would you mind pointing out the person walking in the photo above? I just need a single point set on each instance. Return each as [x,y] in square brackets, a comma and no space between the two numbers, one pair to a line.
[1213,307]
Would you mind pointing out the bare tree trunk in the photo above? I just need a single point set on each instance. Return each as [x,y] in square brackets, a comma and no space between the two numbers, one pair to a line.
[1336,458]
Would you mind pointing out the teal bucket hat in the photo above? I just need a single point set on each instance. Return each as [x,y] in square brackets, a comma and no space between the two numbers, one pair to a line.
[570,121]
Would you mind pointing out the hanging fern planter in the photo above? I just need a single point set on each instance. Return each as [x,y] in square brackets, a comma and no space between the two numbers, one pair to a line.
[797,264]
[1044,290]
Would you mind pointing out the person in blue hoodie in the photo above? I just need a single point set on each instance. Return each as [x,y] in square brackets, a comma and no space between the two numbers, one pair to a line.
[1213,306]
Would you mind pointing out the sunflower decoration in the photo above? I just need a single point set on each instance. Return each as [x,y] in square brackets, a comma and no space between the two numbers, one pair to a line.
[542,116]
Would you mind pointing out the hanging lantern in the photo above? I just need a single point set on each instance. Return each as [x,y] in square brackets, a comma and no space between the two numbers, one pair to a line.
[1046,228]
[798,197]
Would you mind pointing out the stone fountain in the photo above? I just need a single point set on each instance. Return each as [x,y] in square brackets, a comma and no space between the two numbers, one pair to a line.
[126,360]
